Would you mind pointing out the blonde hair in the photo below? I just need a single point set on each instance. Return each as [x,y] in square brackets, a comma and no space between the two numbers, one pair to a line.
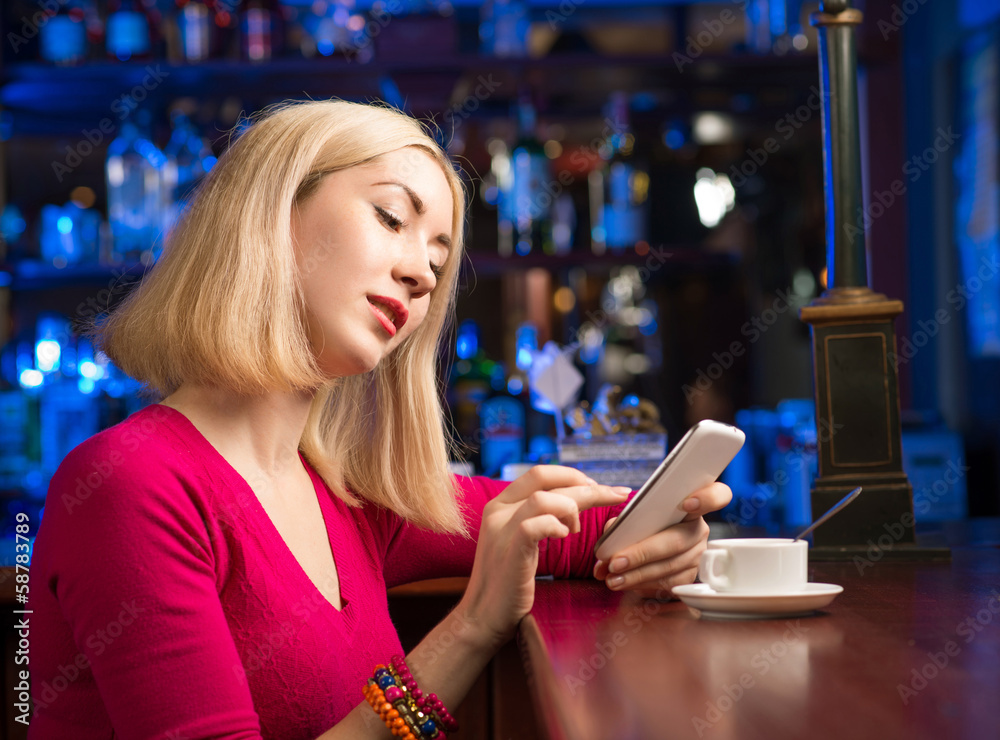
[223,307]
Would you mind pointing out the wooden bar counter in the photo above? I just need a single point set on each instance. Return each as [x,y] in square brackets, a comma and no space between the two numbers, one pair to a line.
[908,650]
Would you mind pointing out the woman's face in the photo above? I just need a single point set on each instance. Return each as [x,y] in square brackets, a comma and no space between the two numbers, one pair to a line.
[368,243]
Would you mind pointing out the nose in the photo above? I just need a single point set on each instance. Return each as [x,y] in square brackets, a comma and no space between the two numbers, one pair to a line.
[413,269]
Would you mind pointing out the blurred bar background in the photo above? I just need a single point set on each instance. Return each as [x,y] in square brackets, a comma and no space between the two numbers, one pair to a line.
[646,191]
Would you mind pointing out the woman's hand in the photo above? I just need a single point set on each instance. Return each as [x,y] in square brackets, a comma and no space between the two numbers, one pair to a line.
[544,502]
[669,558]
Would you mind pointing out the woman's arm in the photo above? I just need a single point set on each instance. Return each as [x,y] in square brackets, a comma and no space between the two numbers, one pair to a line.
[446,662]
[413,554]
[548,502]
[124,589]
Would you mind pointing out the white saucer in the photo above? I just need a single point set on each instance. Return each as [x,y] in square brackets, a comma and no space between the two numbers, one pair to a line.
[711,604]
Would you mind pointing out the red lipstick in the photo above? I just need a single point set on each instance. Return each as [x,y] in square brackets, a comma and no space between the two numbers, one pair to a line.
[391,313]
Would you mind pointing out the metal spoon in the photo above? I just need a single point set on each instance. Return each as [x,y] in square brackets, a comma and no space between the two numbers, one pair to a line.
[840,505]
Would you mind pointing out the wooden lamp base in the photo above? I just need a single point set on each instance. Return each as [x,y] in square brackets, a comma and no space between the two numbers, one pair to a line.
[857,409]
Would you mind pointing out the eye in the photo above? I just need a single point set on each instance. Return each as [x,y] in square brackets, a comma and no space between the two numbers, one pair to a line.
[389,219]
[437,270]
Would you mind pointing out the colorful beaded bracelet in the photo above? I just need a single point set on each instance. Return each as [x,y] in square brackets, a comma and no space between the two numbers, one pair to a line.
[407,712]
[429,703]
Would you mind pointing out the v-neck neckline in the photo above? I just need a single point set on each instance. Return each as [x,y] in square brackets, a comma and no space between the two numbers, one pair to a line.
[345,581]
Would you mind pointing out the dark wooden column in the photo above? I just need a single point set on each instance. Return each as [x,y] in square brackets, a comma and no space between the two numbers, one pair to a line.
[854,340]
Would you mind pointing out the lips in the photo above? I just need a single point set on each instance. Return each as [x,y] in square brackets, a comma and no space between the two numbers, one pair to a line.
[391,313]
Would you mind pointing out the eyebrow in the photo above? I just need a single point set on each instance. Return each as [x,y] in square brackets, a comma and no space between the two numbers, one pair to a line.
[418,206]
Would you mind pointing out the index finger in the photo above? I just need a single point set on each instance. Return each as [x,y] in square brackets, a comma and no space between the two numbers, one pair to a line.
[587,497]
[544,478]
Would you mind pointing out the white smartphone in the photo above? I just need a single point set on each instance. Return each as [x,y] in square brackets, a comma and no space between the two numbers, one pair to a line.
[695,462]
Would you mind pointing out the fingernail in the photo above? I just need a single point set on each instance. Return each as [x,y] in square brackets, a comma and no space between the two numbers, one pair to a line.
[618,565]
[691,504]
[616,581]
[622,490]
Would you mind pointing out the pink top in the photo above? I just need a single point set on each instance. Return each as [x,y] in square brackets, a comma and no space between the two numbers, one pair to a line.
[166,605]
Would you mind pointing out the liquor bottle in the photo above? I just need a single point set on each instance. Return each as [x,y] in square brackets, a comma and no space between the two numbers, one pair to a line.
[502,426]
[63,38]
[190,158]
[328,28]
[469,387]
[69,234]
[129,31]
[619,191]
[192,31]
[503,28]
[526,191]
[67,416]
[261,30]
[137,199]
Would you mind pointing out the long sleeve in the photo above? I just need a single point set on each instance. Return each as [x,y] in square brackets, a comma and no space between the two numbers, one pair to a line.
[413,553]
[127,557]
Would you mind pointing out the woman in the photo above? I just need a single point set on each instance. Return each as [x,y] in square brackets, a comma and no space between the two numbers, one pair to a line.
[216,565]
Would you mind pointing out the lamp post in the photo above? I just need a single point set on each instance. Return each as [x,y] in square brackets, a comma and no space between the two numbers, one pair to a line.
[853,334]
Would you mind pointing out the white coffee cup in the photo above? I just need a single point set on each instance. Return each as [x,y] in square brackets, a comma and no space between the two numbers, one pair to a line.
[755,566]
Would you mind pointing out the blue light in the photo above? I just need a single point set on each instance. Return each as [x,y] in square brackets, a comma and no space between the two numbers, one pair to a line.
[673,138]
[524,357]
[467,344]
[526,344]
[209,162]
[522,247]
[86,386]
[65,225]
[515,385]
[324,47]
[89,370]
[649,328]
[30,378]
[590,354]
[47,354]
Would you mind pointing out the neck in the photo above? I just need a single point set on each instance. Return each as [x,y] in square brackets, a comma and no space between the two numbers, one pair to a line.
[258,433]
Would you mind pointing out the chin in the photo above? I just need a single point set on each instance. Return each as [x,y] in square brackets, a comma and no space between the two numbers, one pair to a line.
[356,363]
